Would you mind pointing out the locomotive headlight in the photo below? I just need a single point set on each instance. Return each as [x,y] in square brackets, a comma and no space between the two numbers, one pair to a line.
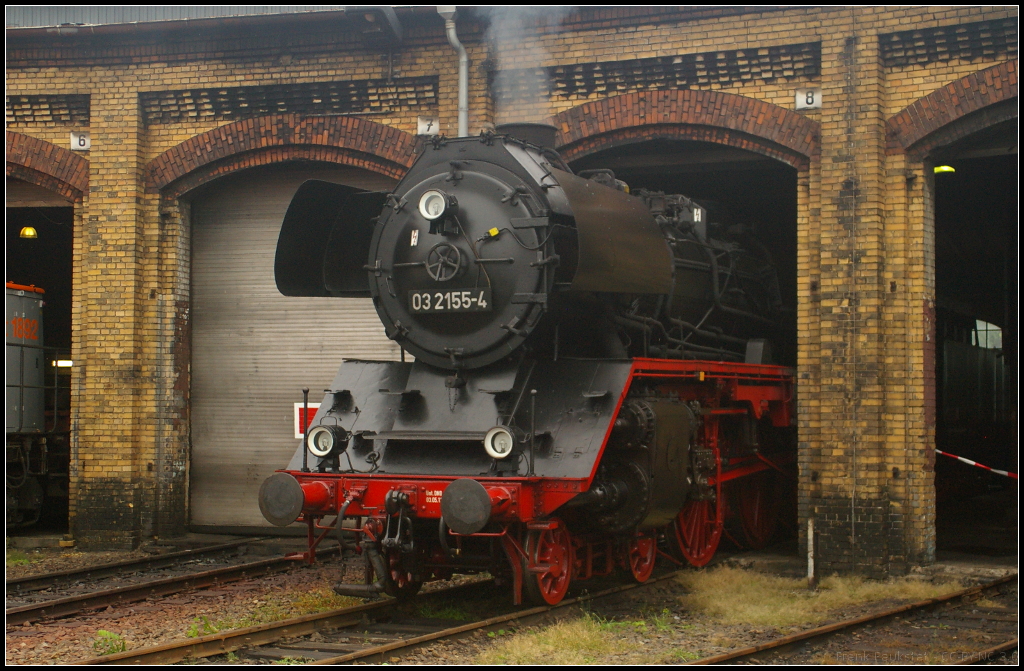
[433,204]
[322,440]
[499,442]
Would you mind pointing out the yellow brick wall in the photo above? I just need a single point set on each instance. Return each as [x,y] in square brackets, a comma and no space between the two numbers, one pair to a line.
[904,86]
[131,274]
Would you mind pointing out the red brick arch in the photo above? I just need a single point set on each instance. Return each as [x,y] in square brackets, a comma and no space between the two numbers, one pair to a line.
[277,138]
[956,110]
[45,164]
[684,114]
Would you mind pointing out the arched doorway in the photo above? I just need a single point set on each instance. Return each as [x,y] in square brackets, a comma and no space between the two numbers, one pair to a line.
[976,293]
[45,185]
[250,350]
[967,147]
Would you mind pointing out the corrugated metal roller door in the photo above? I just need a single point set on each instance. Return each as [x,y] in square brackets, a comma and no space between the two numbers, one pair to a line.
[252,348]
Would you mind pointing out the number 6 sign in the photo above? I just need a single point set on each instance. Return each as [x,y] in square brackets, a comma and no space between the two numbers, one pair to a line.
[80,140]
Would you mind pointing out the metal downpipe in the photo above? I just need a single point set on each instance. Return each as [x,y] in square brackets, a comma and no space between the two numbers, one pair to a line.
[448,13]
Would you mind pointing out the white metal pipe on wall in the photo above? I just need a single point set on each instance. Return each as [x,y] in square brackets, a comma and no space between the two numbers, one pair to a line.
[448,14]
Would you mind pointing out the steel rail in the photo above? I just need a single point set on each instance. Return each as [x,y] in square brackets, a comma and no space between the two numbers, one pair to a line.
[741,654]
[224,642]
[987,655]
[397,649]
[41,581]
[57,608]
[229,641]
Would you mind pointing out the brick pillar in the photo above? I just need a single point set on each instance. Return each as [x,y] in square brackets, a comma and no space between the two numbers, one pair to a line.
[110,510]
[167,359]
[808,341]
[860,475]
[78,348]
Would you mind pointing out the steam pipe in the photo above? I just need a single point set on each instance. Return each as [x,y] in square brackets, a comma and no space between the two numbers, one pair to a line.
[717,293]
[340,523]
[646,325]
[448,14]
[707,333]
[379,567]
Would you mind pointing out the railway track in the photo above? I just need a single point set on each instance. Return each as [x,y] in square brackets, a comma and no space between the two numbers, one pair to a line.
[376,632]
[386,631]
[104,585]
[917,633]
[57,579]
[275,632]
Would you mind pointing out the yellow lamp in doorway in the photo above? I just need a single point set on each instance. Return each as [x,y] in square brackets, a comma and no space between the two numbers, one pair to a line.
[29,232]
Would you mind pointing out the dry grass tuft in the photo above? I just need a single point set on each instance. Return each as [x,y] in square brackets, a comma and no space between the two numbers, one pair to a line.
[321,600]
[583,641]
[273,609]
[736,596]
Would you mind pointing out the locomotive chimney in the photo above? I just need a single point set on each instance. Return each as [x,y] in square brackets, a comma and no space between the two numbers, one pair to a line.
[540,134]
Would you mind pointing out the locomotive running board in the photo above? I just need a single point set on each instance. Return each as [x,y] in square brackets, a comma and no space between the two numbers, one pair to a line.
[572,416]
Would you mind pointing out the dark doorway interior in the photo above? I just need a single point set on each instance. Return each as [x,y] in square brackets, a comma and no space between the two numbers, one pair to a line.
[976,241]
[737,187]
[46,262]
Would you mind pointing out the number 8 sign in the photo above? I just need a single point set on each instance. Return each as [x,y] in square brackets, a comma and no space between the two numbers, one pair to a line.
[808,99]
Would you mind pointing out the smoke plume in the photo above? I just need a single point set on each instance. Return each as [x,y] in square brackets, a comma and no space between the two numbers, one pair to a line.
[520,39]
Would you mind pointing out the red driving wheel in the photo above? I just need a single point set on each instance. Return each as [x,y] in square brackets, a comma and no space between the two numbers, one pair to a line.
[641,556]
[698,530]
[698,527]
[757,503]
[548,566]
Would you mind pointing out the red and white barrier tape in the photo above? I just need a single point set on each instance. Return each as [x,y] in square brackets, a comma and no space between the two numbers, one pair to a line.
[974,463]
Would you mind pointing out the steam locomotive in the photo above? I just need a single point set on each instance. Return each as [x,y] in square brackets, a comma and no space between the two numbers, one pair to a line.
[593,374]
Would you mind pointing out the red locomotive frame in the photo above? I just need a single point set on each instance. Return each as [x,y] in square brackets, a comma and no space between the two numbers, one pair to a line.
[543,554]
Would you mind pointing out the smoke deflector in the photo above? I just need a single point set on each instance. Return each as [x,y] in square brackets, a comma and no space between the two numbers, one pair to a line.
[325,241]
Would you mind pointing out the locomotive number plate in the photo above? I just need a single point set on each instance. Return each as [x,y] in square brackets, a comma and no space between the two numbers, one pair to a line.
[466,300]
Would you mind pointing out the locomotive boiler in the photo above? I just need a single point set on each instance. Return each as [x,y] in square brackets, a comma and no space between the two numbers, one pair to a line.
[592,375]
